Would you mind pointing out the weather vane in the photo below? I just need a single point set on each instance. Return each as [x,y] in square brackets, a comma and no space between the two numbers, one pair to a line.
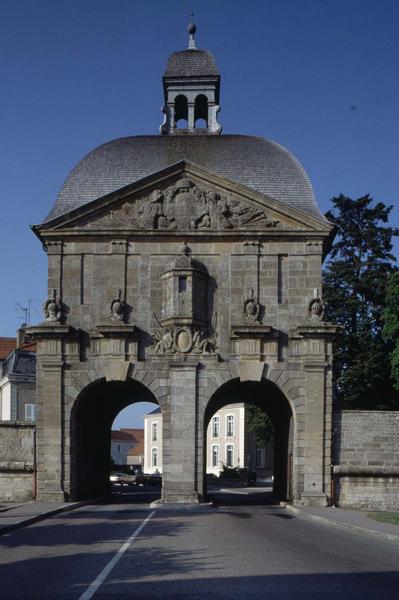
[191,30]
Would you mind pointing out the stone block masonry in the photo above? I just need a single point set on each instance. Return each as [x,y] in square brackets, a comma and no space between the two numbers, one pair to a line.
[366,459]
[16,462]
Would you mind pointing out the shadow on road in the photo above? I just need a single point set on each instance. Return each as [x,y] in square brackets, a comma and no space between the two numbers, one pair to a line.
[132,494]
[241,496]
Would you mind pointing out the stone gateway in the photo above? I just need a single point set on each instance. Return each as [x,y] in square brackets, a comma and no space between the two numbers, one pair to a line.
[184,269]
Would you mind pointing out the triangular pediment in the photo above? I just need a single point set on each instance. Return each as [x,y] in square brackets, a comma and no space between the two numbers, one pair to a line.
[184,197]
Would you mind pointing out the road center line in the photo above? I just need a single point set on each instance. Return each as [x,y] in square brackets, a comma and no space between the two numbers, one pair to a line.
[99,580]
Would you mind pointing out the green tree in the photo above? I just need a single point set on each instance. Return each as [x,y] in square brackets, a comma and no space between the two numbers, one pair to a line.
[390,330]
[260,424]
[355,283]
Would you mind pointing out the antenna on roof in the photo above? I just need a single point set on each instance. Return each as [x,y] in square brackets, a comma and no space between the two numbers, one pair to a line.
[27,311]
[191,30]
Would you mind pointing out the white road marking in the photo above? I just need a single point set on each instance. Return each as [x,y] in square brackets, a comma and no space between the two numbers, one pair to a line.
[99,580]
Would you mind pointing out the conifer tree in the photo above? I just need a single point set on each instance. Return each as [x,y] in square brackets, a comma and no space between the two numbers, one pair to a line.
[391,325]
[355,285]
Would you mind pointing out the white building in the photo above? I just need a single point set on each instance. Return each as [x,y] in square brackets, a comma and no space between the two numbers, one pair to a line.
[127,447]
[121,443]
[227,443]
[153,442]
[17,381]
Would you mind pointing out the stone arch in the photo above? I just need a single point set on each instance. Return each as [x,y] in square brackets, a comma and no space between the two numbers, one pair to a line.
[181,110]
[270,397]
[201,110]
[91,418]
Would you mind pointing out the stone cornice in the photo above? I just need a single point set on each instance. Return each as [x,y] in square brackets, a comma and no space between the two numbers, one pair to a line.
[252,331]
[49,330]
[320,330]
[115,329]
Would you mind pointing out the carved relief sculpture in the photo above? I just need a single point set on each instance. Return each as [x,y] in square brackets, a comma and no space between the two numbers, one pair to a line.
[186,206]
[184,339]
[117,308]
[251,307]
[53,309]
[316,309]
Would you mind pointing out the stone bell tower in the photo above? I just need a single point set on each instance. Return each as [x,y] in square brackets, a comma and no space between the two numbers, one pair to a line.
[191,86]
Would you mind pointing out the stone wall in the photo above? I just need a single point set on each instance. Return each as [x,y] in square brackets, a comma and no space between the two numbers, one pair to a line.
[366,459]
[16,461]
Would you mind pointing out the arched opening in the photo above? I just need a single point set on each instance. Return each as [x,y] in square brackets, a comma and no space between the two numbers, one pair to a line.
[229,445]
[181,112]
[201,111]
[92,418]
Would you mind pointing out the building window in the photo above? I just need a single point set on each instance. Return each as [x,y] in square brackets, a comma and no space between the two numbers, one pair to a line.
[30,412]
[154,457]
[258,457]
[182,283]
[230,426]
[215,456]
[229,455]
[215,427]
[154,434]
[119,448]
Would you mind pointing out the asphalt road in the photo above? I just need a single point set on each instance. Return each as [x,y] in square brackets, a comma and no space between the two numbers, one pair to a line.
[123,550]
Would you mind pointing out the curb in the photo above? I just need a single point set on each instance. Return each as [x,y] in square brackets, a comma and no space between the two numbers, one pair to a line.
[374,533]
[6,508]
[44,515]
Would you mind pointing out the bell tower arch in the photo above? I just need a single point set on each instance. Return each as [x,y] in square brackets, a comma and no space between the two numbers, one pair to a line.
[191,85]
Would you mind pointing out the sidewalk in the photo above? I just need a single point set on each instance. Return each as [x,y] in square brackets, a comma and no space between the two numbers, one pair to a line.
[348,520]
[14,516]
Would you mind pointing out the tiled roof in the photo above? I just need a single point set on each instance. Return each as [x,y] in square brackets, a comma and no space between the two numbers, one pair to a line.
[29,346]
[191,63]
[20,362]
[138,436]
[137,449]
[255,162]
[7,345]
[121,436]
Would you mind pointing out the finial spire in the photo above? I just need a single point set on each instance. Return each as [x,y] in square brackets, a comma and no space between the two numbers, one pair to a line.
[191,30]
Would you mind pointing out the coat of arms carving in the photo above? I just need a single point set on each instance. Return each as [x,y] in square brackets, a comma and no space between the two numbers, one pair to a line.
[184,205]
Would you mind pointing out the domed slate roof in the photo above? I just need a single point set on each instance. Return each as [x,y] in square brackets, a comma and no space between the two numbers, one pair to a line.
[190,63]
[255,162]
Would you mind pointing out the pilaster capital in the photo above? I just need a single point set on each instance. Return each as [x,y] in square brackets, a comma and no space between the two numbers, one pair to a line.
[54,247]
[315,366]
[49,330]
[322,330]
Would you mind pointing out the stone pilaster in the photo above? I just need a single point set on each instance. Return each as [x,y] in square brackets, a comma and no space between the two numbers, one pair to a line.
[179,476]
[50,398]
[315,349]
[314,493]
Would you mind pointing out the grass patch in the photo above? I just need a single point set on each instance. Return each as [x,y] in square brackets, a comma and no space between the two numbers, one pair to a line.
[385,517]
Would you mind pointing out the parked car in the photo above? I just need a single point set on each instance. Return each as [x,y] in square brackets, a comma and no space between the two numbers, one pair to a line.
[122,478]
[117,478]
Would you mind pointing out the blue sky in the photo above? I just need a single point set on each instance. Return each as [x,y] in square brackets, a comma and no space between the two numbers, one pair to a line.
[318,76]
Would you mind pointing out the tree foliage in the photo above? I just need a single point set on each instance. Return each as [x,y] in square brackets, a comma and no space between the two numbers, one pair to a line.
[390,330]
[355,284]
[260,424]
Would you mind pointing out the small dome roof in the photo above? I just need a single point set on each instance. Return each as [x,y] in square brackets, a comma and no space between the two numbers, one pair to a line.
[255,162]
[192,62]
